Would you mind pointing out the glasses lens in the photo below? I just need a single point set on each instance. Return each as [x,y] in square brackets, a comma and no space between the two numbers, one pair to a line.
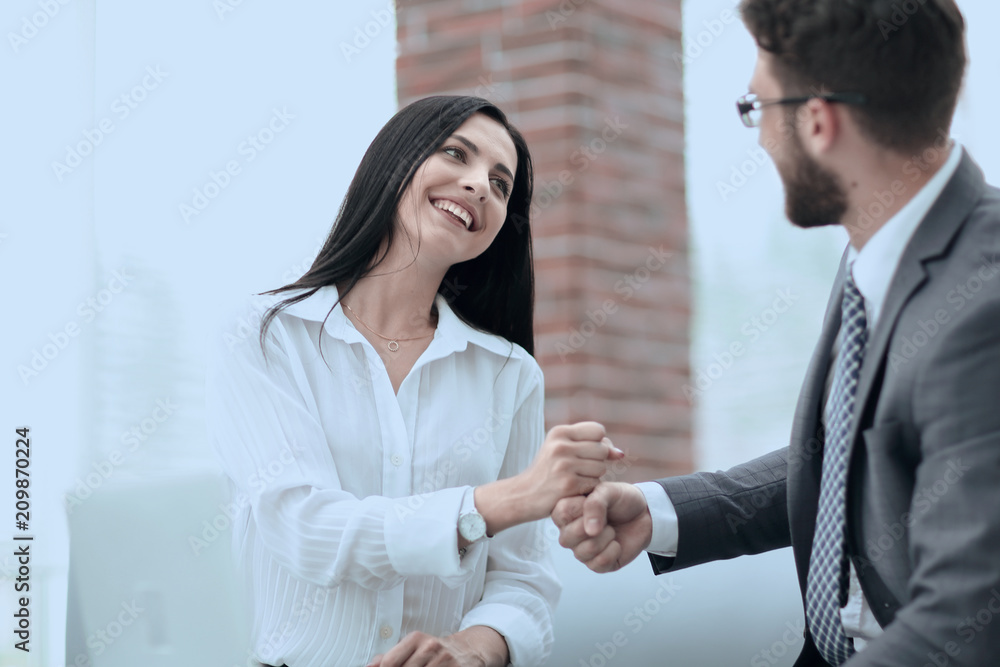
[749,113]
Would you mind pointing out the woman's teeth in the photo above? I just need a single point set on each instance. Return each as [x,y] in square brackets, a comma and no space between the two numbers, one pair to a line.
[455,210]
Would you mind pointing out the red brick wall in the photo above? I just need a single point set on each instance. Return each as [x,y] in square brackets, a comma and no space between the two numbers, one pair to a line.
[595,88]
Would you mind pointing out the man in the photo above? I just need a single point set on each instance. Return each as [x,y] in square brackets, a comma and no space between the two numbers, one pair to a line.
[889,492]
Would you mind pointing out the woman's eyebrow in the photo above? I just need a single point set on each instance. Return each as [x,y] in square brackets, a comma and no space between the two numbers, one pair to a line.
[499,166]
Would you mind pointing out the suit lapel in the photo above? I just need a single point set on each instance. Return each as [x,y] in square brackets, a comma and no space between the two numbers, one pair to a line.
[931,239]
[805,457]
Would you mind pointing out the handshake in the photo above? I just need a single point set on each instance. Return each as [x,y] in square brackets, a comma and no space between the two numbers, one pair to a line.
[606,524]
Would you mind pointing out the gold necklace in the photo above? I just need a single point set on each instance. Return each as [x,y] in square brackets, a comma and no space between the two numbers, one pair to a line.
[393,342]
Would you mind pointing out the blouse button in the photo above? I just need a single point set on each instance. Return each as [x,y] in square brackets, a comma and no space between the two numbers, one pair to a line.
[397,460]
[385,632]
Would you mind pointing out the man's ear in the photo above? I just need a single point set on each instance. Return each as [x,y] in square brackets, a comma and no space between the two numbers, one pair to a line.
[819,125]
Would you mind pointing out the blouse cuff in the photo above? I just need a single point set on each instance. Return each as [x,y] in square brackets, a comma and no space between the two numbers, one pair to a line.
[421,536]
[518,628]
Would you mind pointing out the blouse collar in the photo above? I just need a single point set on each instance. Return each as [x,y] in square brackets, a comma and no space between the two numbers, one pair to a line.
[451,330]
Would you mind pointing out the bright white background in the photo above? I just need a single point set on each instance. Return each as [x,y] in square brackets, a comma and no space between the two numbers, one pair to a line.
[223,75]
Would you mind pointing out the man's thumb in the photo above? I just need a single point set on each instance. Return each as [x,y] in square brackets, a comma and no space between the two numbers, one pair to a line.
[595,510]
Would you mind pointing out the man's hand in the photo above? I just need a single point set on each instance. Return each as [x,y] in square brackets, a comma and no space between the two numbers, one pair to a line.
[607,529]
[570,463]
[478,646]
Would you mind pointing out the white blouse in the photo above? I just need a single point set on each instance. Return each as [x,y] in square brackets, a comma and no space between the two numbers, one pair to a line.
[350,494]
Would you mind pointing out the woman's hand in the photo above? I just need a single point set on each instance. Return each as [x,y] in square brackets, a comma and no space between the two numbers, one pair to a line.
[570,463]
[478,646]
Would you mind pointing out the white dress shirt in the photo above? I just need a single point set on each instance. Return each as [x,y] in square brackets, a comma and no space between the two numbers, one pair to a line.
[872,267]
[350,494]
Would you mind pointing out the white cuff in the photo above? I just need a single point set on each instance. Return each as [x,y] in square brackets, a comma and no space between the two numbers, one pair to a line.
[468,501]
[518,628]
[421,536]
[664,538]
[469,505]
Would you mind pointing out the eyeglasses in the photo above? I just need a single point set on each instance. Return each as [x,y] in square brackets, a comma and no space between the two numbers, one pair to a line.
[749,107]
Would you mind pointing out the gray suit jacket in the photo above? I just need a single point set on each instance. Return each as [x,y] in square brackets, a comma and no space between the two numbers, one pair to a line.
[924,477]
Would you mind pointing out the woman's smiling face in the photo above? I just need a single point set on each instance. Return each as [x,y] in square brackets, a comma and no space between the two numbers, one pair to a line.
[457,201]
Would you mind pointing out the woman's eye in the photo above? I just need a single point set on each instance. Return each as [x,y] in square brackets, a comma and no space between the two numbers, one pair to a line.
[503,186]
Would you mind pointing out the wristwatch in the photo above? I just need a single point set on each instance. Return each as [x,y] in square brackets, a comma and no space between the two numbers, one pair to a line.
[471,524]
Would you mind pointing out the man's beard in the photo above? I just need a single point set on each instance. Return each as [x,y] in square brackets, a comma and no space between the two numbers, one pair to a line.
[813,195]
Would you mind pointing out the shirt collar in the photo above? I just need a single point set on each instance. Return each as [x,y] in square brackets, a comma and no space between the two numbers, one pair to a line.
[874,265]
[451,330]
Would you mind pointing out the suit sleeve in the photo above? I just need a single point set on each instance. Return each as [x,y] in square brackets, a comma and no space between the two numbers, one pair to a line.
[722,515]
[953,615]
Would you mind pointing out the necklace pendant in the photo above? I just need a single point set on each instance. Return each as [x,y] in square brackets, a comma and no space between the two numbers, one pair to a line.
[393,346]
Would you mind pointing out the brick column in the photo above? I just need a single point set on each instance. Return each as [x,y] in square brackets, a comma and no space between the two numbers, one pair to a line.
[596,90]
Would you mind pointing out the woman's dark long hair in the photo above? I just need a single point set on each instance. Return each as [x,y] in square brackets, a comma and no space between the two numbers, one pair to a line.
[493,292]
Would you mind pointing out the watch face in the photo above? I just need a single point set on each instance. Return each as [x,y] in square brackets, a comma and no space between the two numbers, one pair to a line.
[472,526]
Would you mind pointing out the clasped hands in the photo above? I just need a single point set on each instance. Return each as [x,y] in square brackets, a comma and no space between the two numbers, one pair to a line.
[606,524]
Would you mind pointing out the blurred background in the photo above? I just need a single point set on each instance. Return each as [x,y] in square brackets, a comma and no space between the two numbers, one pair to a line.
[160,159]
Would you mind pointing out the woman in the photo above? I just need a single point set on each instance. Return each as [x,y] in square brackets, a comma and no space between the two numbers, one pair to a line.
[386,424]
